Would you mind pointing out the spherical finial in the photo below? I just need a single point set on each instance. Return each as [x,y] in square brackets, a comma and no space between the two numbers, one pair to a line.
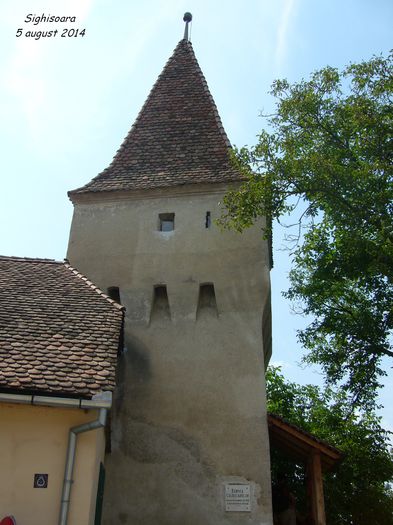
[187,19]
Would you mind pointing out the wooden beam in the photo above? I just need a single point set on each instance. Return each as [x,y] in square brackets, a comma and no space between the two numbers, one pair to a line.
[303,439]
[316,489]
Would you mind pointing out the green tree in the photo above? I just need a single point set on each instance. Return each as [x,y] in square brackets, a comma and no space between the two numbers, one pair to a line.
[358,491]
[328,159]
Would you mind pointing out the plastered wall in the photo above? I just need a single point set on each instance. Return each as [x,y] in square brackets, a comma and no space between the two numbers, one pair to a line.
[190,412]
[33,440]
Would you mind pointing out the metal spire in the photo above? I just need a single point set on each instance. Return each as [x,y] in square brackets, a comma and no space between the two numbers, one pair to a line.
[187,19]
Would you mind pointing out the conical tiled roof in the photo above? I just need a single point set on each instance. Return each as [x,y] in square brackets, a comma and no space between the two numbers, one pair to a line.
[177,138]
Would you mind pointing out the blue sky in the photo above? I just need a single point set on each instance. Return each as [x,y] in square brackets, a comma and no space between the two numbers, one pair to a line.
[67,103]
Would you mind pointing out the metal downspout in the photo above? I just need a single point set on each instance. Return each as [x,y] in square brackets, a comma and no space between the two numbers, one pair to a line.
[74,431]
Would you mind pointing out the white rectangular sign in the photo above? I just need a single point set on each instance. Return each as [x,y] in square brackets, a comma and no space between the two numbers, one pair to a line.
[237,497]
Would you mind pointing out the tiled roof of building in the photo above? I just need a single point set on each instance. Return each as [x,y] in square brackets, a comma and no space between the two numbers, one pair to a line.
[59,334]
[177,138]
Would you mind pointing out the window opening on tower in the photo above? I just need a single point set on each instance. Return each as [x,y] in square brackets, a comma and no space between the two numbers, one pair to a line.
[166,222]
[207,303]
[160,308]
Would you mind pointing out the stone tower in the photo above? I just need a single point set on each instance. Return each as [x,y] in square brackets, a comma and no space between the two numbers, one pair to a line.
[189,441]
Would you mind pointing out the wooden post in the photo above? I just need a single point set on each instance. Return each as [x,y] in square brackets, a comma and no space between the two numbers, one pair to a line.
[316,489]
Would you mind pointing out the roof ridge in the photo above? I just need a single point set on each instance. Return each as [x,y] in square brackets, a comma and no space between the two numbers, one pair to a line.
[210,96]
[91,285]
[29,259]
[67,265]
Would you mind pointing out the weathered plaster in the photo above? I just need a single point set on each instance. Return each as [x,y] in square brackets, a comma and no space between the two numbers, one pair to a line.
[189,409]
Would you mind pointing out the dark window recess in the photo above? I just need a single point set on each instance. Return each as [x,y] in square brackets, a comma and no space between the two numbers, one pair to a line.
[114,293]
[208,220]
[160,308]
[207,300]
[167,222]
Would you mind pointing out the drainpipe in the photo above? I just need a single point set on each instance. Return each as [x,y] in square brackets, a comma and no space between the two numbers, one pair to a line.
[74,431]
[101,401]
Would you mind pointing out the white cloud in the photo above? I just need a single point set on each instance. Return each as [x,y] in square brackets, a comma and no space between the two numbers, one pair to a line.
[282,32]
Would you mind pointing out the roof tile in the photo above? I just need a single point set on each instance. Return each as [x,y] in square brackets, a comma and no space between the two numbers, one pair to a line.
[177,138]
[48,313]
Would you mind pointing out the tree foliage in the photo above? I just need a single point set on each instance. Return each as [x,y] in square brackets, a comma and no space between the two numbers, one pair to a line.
[329,154]
[358,491]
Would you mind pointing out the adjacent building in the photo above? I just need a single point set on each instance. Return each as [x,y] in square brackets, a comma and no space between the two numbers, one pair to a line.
[59,341]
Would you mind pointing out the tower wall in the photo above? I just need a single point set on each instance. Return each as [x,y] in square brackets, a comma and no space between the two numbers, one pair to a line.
[190,409]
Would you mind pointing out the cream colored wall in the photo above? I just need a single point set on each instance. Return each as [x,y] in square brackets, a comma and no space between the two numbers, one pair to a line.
[34,440]
[189,410]
[116,242]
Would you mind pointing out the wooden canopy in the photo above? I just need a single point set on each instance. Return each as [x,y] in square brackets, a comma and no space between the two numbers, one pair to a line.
[316,454]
